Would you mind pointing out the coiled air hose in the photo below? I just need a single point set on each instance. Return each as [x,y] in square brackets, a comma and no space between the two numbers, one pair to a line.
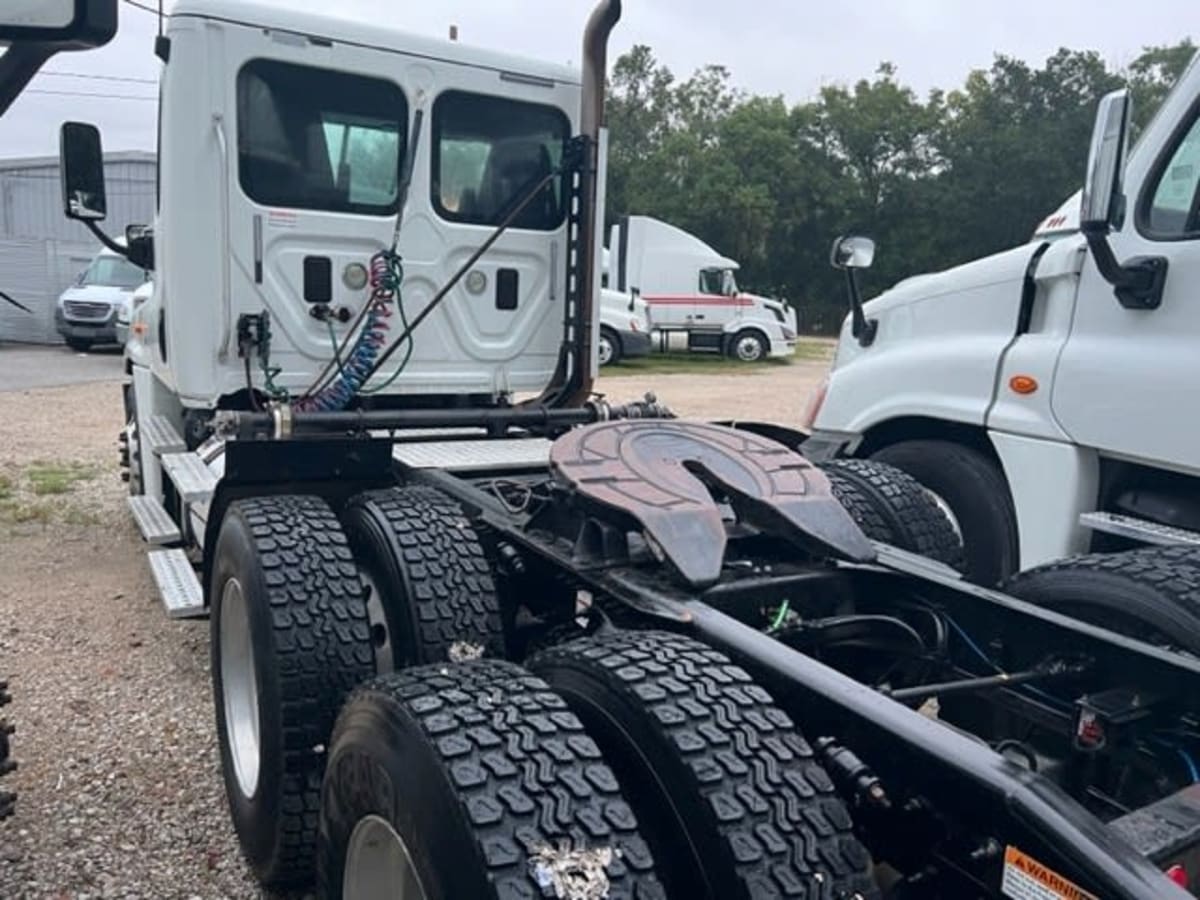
[353,372]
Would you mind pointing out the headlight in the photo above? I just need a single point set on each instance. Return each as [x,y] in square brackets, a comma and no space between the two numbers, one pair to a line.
[788,334]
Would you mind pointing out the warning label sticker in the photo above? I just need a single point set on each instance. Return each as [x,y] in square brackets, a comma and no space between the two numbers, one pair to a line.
[1027,879]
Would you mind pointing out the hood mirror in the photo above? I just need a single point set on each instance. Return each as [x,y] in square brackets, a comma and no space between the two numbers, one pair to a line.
[851,253]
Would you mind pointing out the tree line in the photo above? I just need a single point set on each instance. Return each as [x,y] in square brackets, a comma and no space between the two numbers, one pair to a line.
[936,181]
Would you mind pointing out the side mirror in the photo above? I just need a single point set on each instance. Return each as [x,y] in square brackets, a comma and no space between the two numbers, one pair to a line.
[82,161]
[1103,192]
[1137,283]
[69,24]
[852,252]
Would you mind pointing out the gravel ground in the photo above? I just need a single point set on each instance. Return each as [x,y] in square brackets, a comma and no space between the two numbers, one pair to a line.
[120,791]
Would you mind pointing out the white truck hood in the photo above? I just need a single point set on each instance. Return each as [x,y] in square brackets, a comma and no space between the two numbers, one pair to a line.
[967,279]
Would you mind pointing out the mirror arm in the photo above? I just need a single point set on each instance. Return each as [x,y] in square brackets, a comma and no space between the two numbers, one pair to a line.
[861,327]
[18,65]
[1138,284]
[105,239]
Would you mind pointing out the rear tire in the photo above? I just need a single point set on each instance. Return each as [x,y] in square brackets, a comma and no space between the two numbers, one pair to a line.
[610,347]
[890,506]
[472,769]
[975,492]
[729,795]
[1152,595]
[8,799]
[290,640]
[748,346]
[131,440]
[436,598]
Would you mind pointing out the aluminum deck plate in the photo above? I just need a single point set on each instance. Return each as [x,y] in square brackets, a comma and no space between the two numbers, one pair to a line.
[155,524]
[1138,529]
[663,475]
[193,480]
[475,456]
[162,437]
[177,583]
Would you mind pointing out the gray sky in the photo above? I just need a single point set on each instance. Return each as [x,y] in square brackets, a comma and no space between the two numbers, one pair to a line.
[785,47]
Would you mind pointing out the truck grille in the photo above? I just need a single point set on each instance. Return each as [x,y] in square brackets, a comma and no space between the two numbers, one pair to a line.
[83,309]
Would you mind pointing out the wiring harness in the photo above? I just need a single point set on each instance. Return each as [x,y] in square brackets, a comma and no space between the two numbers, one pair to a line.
[353,371]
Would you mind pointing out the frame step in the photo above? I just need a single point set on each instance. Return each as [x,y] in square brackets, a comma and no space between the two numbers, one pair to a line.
[193,480]
[1138,529]
[177,583]
[153,521]
[162,437]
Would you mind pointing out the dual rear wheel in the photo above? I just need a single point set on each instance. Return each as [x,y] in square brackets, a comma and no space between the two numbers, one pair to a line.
[627,764]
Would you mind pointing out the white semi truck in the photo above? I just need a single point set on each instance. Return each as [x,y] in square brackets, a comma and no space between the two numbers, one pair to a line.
[465,647]
[1047,394]
[691,288]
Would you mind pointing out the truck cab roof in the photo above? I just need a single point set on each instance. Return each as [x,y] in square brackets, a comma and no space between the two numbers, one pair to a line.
[364,33]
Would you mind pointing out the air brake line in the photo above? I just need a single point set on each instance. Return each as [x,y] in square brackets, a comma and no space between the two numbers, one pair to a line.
[335,391]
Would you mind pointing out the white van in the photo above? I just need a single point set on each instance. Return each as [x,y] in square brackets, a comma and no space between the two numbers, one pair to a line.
[624,327]
[88,311]
[691,288]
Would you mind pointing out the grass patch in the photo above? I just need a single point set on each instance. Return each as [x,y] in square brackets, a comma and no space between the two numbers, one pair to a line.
[76,516]
[20,513]
[56,478]
[679,362]
[6,487]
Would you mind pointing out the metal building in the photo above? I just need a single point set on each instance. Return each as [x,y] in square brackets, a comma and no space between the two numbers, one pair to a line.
[41,251]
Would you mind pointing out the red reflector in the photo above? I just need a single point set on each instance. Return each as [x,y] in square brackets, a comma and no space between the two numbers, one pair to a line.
[1178,874]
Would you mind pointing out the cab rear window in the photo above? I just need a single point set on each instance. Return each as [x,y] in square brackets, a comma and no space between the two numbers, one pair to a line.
[312,138]
[489,152]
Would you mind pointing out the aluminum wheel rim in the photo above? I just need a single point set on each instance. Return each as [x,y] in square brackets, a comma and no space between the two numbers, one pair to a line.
[748,349]
[606,350]
[377,619]
[378,864]
[945,507]
[239,687]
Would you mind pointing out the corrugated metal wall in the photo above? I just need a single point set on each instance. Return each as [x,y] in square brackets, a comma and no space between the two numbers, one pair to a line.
[41,251]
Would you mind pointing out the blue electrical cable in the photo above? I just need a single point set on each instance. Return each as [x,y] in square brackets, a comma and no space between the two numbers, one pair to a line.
[1188,759]
[354,372]
[958,629]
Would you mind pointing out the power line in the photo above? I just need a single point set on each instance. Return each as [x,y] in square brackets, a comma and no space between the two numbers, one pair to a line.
[90,94]
[142,6]
[100,77]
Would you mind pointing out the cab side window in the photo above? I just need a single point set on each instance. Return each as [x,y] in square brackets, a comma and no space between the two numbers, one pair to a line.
[317,139]
[1172,211]
[490,152]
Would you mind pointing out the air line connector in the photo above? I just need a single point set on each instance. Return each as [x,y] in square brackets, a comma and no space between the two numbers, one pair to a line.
[853,775]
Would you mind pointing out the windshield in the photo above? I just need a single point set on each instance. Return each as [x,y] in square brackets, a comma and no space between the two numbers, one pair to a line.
[112,271]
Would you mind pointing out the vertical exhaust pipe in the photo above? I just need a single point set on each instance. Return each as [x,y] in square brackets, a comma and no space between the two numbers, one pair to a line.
[603,20]
[575,387]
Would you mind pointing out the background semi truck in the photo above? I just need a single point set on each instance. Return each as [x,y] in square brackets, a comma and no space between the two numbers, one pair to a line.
[469,647]
[691,288]
[1047,394]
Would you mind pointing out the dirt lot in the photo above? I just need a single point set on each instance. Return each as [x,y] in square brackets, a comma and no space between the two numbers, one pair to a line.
[120,793]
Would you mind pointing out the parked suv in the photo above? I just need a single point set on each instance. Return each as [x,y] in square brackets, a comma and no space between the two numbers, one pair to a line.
[87,312]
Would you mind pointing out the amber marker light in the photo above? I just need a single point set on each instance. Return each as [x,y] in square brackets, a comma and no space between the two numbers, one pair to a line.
[1023,384]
